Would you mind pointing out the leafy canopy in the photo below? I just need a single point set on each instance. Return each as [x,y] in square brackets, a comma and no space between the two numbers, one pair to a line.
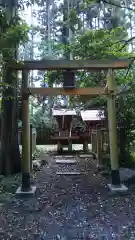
[12,34]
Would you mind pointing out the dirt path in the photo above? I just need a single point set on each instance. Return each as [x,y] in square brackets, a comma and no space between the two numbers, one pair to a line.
[70,207]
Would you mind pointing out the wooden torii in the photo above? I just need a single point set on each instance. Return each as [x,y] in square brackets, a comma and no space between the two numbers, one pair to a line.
[109,91]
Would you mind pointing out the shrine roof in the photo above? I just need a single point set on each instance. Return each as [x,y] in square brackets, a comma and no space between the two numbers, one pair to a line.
[63,112]
[92,115]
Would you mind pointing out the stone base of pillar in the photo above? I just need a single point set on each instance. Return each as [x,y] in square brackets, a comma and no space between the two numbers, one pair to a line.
[116,185]
[26,189]
[120,188]
[31,192]
[70,146]
[85,146]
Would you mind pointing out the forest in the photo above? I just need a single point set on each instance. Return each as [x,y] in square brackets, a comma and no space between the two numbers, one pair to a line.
[51,195]
[64,30]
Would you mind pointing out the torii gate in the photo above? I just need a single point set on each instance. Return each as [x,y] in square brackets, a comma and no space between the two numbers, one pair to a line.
[109,91]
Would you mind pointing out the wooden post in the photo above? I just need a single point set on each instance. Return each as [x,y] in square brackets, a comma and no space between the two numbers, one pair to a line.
[70,141]
[94,142]
[34,139]
[31,150]
[70,146]
[99,155]
[25,135]
[102,141]
[85,146]
[113,130]
[59,147]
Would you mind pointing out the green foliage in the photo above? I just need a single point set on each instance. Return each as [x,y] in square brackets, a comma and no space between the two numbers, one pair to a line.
[73,17]
[13,33]
[100,44]
[125,120]
[42,118]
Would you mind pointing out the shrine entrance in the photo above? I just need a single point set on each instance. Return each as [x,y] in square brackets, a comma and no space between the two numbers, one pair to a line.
[109,91]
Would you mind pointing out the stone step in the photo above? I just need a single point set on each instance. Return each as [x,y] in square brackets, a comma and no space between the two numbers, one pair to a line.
[68,173]
[86,156]
[63,156]
[67,161]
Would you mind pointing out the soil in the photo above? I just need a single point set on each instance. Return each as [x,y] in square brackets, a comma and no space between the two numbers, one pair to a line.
[70,207]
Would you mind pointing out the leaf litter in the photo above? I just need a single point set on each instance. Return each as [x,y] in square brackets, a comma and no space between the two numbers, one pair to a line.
[70,207]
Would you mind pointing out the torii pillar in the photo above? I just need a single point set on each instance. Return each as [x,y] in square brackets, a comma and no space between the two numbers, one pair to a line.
[26,188]
[116,183]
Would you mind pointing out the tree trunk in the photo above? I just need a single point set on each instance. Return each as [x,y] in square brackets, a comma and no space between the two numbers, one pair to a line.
[10,161]
[10,154]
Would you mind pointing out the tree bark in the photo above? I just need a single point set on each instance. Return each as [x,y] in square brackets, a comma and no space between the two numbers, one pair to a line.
[10,161]
[10,155]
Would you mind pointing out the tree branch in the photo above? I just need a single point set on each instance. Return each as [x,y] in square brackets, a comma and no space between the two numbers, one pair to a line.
[126,42]
[117,5]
